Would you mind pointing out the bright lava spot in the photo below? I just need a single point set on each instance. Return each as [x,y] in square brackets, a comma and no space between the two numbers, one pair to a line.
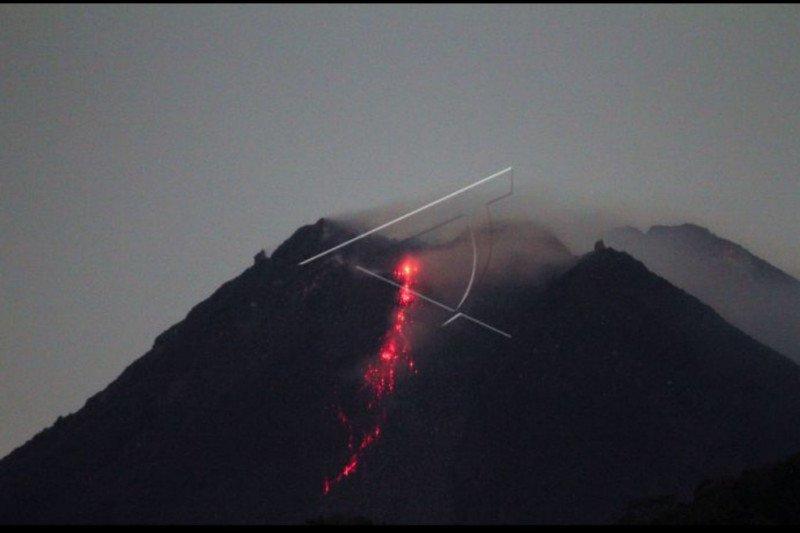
[380,376]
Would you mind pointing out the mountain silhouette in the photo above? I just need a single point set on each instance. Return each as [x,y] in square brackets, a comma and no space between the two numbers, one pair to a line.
[749,292]
[759,496]
[615,384]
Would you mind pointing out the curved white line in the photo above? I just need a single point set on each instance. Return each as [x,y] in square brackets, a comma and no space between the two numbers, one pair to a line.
[438,304]
[474,266]
[405,216]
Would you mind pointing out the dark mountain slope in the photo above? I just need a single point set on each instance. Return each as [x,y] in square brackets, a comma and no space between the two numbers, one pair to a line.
[752,294]
[227,418]
[767,495]
[615,385]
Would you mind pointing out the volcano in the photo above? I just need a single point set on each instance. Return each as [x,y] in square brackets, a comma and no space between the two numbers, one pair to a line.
[614,385]
[745,289]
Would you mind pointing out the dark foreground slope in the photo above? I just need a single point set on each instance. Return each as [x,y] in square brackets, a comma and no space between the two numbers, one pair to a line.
[615,385]
[768,495]
[620,385]
[226,419]
[749,292]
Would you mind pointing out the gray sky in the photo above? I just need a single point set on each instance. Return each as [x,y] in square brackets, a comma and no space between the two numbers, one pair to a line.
[148,152]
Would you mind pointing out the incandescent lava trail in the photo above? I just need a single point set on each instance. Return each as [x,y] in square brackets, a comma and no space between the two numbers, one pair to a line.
[381,374]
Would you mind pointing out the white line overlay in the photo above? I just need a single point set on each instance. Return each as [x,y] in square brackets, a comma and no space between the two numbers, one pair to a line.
[447,308]
[405,216]
[434,302]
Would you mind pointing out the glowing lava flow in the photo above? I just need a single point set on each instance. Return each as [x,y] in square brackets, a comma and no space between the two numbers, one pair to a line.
[380,376]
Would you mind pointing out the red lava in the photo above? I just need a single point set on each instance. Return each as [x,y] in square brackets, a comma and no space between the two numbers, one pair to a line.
[380,376]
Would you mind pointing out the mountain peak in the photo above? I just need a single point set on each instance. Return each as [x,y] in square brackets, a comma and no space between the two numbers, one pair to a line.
[611,263]
[687,228]
[613,383]
[748,291]
[305,241]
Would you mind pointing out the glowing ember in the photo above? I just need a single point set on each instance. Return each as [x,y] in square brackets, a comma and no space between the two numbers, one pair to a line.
[380,376]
